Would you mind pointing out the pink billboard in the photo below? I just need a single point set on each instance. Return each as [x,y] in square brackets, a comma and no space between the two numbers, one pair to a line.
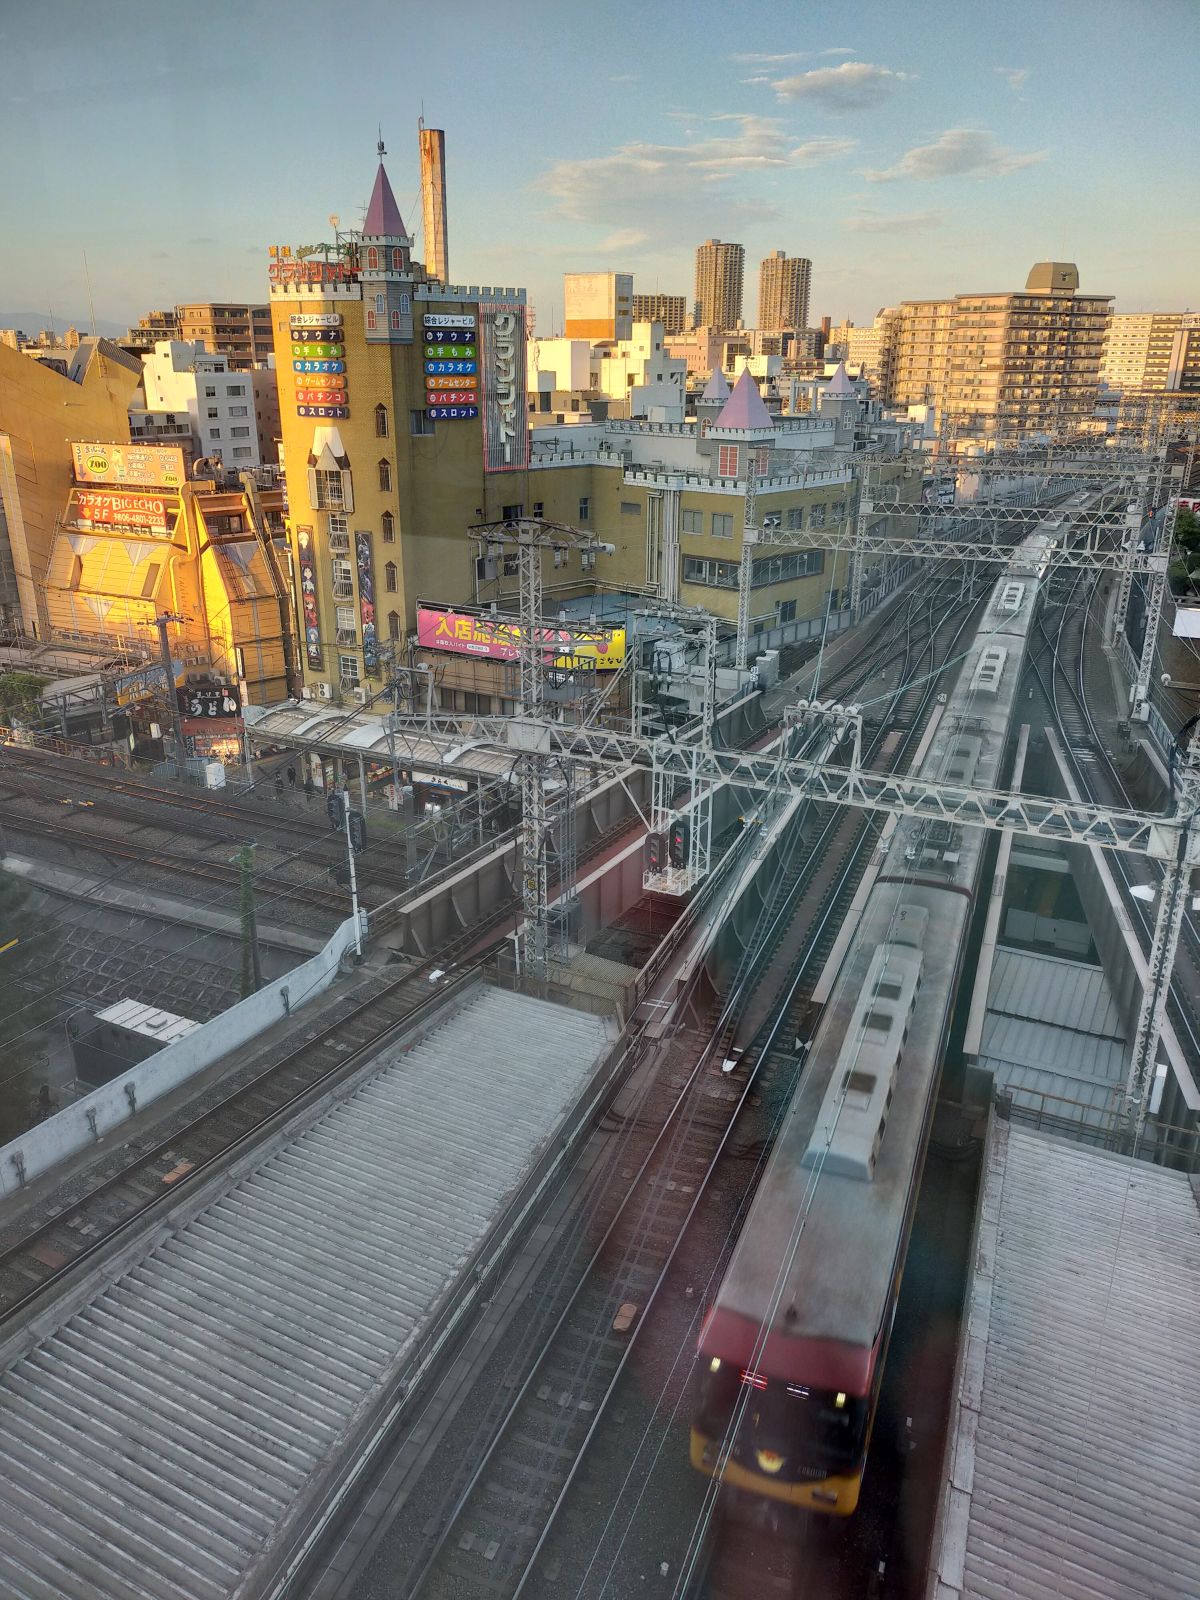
[467,635]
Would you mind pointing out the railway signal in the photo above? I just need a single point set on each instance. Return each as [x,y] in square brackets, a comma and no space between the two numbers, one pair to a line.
[655,852]
[358,831]
[677,842]
[335,804]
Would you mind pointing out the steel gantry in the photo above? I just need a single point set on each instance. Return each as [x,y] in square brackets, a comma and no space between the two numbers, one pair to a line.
[1172,839]
[538,648]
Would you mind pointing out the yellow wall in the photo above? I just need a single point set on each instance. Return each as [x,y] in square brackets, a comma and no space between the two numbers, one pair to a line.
[41,414]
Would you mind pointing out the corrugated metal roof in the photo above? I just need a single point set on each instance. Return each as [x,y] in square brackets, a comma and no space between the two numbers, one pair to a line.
[360,731]
[1074,1452]
[1069,994]
[152,1443]
[1052,1034]
[150,1020]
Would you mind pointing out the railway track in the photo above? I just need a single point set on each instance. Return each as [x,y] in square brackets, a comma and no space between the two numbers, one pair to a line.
[507,1478]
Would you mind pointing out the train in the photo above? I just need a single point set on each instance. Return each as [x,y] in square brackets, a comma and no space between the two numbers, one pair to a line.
[792,1348]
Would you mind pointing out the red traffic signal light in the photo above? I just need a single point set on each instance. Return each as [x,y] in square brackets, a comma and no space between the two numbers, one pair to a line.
[655,852]
[677,842]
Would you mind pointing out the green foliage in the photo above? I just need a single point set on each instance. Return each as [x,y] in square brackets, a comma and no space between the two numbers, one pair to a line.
[27,1000]
[20,692]
[1184,571]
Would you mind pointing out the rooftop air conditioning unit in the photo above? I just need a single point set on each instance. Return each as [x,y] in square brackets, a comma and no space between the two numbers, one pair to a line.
[360,696]
[324,691]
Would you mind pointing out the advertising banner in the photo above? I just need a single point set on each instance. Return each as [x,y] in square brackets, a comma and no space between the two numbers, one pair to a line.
[315,319]
[456,319]
[502,369]
[154,466]
[366,598]
[96,507]
[468,635]
[308,597]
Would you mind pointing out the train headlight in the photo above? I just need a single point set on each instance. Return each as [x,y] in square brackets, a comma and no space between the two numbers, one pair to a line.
[715,1364]
[768,1460]
[840,1401]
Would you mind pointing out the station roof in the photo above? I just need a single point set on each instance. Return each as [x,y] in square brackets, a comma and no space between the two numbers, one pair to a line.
[163,1434]
[1052,1036]
[305,726]
[1072,1462]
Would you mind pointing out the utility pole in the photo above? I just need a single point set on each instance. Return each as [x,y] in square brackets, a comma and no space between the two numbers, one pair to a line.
[746,564]
[164,646]
[251,959]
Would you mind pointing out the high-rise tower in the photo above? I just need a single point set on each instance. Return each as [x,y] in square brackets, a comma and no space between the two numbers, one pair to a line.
[719,270]
[783,289]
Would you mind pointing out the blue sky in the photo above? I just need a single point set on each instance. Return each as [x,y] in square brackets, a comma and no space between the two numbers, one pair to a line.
[910,149]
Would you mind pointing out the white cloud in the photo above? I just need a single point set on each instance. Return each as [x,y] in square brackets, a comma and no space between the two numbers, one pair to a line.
[957,153]
[625,77]
[754,58]
[838,50]
[622,239]
[867,221]
[854,86]
[640,185]
[1014,76]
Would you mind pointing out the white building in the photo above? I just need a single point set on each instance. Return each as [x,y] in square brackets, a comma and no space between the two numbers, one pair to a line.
[222,406]
[637,376]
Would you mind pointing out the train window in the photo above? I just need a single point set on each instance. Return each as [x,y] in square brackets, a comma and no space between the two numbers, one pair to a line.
[860,1082]
[888,990]
[878,1022]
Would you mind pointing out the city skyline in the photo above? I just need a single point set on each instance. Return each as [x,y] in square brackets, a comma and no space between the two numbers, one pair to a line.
[906,162]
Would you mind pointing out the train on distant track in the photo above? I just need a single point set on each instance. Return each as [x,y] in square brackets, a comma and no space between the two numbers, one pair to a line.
[792,1348]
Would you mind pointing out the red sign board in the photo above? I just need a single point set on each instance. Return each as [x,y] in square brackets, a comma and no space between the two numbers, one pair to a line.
[467,635]
[123,510]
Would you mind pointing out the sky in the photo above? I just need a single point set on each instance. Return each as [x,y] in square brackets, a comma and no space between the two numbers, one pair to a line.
[911,149]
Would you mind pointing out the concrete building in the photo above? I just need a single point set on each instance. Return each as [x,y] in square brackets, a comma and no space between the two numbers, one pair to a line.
[1152,352]
[1007,365]
[719,271]
[135,537]
[41,413]
[784,284]
[150,329]
[669,309]
[240,333]
[597,305]
[225,407]
[866,351]
[636,377]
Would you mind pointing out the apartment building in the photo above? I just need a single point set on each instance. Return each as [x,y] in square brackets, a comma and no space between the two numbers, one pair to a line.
[784,285]
[720,267]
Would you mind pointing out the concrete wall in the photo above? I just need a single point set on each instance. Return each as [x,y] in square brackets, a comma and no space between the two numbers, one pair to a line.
[80,1126]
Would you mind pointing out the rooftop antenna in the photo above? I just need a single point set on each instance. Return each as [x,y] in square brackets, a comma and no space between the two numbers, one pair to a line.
[91,303]
[379,146]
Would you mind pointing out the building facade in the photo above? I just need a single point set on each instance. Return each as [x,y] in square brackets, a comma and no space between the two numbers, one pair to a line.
[1152,352]
[669,309]
[224,406]
[636,377]
[720,268]
[597,305]
[41,412]
[242,334]
[1000,366]
[784,285]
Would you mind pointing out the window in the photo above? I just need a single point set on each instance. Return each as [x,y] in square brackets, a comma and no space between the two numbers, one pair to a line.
[385,476]
[213,411]
[722,525]
[238,411]
[348,668]
[209,392]
[214,433]
[330,496]
[381,305]
[343,581]
[691,522]
[387,525]
[395,322]
[762,462]
[150,581]
[539,508]
[239,433]
[242,452]
[419,423]
[370,319]
[339,535]
[237,389]
[630,508]
[389,577]
[816,518]
[372,259]
[397,258]
[795,517]
[772,569]
[585,508]
[838,510]
[393,624]
[727,461]
[785,611]
[345,617]
[381,422]
[512,513]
